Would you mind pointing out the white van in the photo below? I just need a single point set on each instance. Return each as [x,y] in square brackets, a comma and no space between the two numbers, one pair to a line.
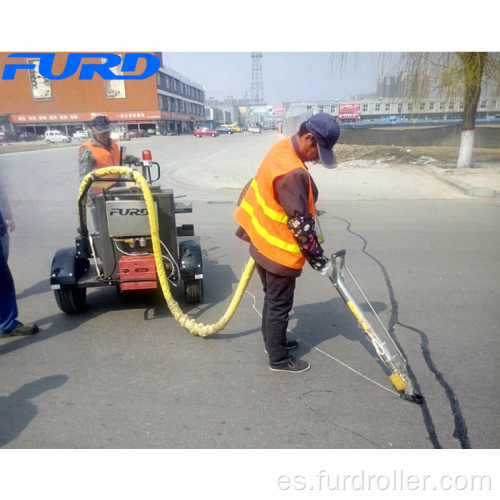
[56,136]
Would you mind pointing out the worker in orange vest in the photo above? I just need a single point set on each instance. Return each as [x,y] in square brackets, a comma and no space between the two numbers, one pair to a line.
[100,151]
[276,214]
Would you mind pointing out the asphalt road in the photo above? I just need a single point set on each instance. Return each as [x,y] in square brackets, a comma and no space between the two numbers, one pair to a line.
[125,375]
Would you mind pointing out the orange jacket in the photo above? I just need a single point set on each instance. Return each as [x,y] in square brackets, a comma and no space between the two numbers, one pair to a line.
[263,218]
[104,158]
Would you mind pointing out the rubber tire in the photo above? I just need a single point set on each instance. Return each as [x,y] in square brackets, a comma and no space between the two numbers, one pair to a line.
[193,291]
[65,141]
[213,135]
[72,300]
[198,135]
[48,141]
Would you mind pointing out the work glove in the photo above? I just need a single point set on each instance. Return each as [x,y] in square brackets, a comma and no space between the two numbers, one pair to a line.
[327,270]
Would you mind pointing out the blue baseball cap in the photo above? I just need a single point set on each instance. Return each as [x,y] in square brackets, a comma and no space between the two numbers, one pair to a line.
[101,123]
[326,133]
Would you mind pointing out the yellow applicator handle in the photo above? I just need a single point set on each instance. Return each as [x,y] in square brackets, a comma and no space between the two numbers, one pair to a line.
[183,319]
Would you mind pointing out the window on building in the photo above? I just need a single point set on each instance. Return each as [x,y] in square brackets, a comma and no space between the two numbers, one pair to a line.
[461,105]
[158,79]
[422,106]
[387,106]
[400,107]
[365,108]
[308,107]
[160,102]
[332,109]
[431,105]
[482,104]
[451,105]
[167,82]
[174,84]
[410,107]
[320,109]
[441,105]
[377,107]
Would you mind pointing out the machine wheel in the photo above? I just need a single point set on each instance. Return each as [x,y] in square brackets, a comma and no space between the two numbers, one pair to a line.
[198,135]
[193,291]
[71,301]
[48,141]
[213,135]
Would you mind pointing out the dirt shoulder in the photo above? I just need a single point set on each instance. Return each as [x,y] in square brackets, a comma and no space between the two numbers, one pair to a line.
[439,156]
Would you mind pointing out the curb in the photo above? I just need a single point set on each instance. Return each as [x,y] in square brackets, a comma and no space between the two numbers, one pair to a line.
[471,190]
[478,192]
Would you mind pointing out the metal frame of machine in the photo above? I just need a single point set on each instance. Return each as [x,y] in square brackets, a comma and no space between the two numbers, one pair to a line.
[120,253]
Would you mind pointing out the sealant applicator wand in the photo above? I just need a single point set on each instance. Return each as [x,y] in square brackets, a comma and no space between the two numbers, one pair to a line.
[390,355]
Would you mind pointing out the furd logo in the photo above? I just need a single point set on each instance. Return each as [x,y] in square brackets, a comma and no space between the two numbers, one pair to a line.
[128,211]
[88,70]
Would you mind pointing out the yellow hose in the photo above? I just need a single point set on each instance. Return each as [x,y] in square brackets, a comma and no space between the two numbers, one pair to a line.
[183,319]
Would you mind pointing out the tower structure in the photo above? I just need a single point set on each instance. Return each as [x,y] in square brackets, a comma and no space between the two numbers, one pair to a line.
[257,92]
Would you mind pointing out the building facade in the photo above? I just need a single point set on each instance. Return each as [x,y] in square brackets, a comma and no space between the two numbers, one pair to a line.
[396,109]
[165,102]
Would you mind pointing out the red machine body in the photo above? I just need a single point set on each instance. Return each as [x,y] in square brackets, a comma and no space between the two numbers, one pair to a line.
[135,269]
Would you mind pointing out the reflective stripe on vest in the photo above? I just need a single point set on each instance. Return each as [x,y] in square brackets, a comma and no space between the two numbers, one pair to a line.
[263,218]
[273,240]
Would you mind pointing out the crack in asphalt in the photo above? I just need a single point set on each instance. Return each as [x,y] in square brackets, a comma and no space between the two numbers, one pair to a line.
[460,432]
[329,421]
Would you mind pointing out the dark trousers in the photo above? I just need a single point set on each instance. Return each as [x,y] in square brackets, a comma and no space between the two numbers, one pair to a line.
[278,302]
[8,304]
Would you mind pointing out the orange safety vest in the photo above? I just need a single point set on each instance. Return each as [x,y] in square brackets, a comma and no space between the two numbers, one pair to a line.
[104,158]
[260,215]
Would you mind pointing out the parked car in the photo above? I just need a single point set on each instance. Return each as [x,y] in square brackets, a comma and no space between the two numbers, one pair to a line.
[204,131]
[233,127]
[134,133]
[80,134]
[151,131]
[9,137]
[56,136]
[254,130]
[120,135]
[27,136]
[224,130]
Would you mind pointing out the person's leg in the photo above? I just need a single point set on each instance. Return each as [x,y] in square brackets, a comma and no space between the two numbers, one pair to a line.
[8,303]
[4,241]
[280,292]
[263,278]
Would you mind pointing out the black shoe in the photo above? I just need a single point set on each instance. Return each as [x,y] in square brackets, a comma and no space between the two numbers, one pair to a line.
[291,344]
[293,366]
[22,330]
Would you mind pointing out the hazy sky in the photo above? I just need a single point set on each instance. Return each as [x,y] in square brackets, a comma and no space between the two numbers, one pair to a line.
[287,76]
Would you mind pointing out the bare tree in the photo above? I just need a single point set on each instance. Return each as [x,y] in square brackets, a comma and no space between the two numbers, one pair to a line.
[459,74]
[450,75]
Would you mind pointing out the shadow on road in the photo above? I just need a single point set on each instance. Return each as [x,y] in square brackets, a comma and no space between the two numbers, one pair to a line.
[40,287]
[219,279]
[321,321]
[17,411]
